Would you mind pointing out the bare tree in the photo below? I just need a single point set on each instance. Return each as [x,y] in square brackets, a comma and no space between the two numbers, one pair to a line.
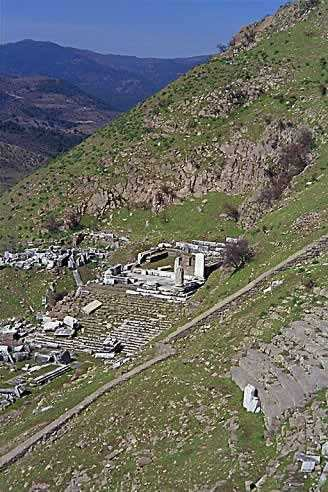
[238,253]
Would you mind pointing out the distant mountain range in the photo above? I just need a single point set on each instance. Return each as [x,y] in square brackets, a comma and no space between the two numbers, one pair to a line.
[120,81]
[40,118]
[52,97]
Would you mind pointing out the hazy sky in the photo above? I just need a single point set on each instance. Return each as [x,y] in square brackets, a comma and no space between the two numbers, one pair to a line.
[161,28]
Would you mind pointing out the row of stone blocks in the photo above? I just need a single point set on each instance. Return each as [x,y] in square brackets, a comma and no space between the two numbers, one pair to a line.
[288,371]
[133,320]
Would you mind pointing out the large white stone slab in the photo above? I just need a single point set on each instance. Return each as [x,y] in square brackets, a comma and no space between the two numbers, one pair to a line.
[199,265]
[91,307]
[251,401]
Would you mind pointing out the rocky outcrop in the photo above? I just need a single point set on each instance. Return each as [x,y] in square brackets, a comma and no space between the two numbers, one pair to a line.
[101,201]
[283,150]
[238,94]
[290,370]
[285,18]
[265,169]
[238,167]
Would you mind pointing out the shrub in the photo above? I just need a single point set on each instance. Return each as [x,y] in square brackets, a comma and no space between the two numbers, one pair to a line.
[72,220]
[309,284]
[231,211]
[51,224]
[237,254]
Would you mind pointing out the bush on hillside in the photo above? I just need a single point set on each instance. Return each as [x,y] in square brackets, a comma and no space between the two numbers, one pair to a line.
[238,253]
[231,211]
[51,224]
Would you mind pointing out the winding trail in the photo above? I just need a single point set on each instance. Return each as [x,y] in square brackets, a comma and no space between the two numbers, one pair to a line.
[165,351]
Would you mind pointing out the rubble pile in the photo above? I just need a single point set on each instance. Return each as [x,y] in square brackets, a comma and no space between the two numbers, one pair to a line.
[11,394]
[113,241]
[66,328]
[10,354]
[55,256]
[111,346]
[18,346]
[13,347]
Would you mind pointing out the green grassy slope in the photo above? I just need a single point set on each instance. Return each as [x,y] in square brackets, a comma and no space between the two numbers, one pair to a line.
[146,148]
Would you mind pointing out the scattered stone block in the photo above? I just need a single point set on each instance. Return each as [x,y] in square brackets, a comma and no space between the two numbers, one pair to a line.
[49,376]
[324,449]
[249,486]
[323,476]
[307,466]
[71,322]
[63,357]
[65,331]
[251,400]
[91,307]
[77,278]
[105,355]
[274,285]
[52,325]
[308,462]
[43,358]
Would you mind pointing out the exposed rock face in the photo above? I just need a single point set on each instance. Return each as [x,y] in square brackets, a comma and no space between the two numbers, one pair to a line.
[284,149]
[290,370]
[98,202]
[240,93]
[152,193]
[284,153]
[238,167]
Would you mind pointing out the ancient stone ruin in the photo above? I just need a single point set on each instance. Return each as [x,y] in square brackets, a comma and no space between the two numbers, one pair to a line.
[290,370]
[17,345]
[172,272]
[115,317]
[55,256]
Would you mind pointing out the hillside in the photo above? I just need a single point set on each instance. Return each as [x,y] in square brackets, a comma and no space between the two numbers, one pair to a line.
[120,81]
[232,126]
[236,147]
[16,162]
[41,118]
